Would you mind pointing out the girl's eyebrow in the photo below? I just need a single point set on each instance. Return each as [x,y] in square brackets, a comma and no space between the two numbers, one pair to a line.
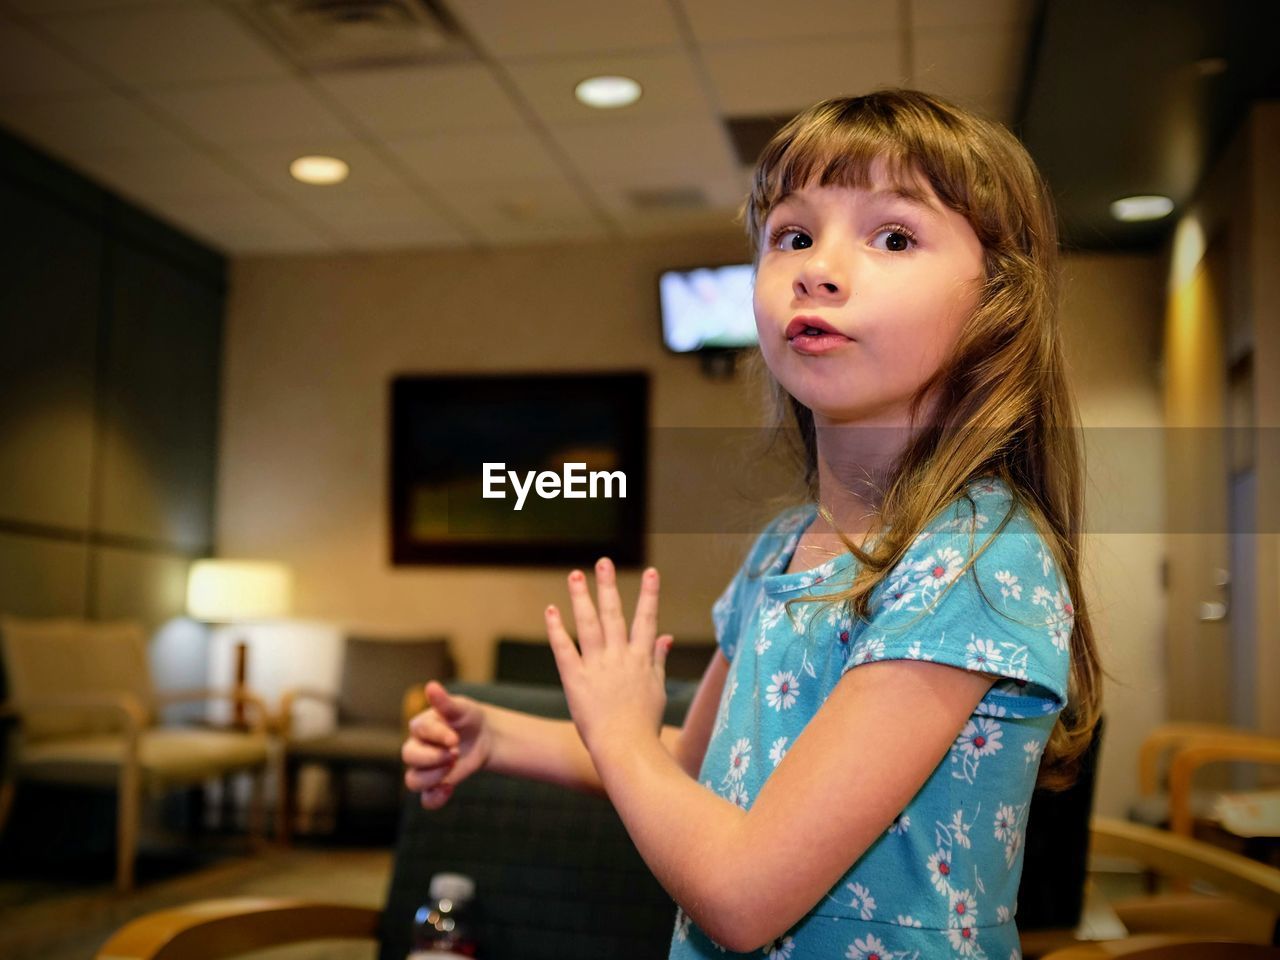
[909,195]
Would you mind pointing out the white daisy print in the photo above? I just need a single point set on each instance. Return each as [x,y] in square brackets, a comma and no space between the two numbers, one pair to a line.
[964,940]
[763,643]
[960,830]
[778,750]
[682,924]
[940,870]
[739,759]
[1010,588]
[771,613]
[1031,751]
[738,795]
[899,594]
[962,909]
[1002,914]
[980,737]
[907,921]
[869,650]
[901,824]
[868,948]
[1005,823]
[982,654]
[938,569]
[779,949]
[782,692]
[861,900]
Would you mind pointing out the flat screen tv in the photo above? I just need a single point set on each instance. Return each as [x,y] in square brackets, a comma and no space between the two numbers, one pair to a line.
[707,308]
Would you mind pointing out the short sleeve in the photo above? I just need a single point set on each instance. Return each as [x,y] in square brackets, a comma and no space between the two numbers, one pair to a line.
[744,590]
[1008,613]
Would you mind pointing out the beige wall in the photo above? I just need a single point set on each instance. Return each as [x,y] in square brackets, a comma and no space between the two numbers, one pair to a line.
[312,343]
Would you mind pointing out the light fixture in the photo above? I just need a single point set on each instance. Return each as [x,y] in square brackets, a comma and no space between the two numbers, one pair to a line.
[607,92]
[237,591]
[319,171]
[1145,207]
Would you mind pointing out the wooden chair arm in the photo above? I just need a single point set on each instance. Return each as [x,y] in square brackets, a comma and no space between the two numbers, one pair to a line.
[1169,736]
[1179,856]
[262,716]
[293,695]
[128,706]
[413,703]
[1205,750]
[207,929]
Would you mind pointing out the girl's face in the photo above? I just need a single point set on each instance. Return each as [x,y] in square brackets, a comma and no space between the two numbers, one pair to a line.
[890,282]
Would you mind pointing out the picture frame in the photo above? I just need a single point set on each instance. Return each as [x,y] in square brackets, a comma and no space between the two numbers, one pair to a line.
[583,427]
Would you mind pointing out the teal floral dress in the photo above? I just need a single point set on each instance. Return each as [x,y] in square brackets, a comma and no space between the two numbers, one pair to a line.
[942,881]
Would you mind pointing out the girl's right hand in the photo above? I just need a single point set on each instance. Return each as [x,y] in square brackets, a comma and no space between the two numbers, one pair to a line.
[448,742]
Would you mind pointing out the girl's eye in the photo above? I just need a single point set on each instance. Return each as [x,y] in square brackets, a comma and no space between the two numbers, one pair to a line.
[903,238]
[781,232]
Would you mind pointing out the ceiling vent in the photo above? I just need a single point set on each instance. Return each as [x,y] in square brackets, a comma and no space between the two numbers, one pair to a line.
[320,35]
[672,198]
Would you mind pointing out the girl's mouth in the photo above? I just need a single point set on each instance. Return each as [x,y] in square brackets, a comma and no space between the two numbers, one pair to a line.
[814,341]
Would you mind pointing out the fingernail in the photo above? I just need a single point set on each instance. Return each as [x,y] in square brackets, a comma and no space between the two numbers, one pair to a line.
[551,610]
[577,575]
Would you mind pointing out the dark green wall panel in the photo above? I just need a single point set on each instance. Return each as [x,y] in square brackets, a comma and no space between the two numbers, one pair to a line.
[160,401]
[140,585]
[50,278]
[42,577]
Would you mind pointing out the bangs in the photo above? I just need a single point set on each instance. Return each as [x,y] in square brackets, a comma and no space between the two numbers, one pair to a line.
[832,144]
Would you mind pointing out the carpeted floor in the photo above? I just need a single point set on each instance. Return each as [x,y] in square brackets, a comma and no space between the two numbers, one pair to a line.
[60,918]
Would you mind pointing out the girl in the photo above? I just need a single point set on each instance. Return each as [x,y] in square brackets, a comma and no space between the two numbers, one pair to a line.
[906,655]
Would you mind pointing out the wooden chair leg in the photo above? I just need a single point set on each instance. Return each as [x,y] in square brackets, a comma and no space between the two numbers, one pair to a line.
[284,802]
[6,803]
[127,813]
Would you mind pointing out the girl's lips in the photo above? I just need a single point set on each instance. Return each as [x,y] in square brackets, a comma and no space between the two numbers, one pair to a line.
[821,343]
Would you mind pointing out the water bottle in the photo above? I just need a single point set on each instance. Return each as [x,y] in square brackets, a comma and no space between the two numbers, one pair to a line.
[442,927]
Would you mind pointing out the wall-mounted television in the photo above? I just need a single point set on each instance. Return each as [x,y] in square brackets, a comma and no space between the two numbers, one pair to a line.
[707,308]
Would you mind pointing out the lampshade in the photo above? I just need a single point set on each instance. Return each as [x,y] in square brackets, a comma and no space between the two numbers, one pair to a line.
[233,590]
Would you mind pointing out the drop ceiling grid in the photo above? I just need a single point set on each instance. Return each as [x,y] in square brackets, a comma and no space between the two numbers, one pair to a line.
[491,152]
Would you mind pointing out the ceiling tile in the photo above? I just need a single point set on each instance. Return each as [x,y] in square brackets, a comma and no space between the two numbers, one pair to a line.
[162,45]
[269,165]
[180,171]
[670,87]
[477,155]
[524,211]
[784,78]
[53,8]
[948,13]
[733,21]
[656,153]
[82,125]
[963,64]
[561,27]
[258,111]
[397,102]
[398,234]
[29,67]
[244,228]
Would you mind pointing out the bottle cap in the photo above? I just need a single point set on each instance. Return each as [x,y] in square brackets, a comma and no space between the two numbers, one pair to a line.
[457,887]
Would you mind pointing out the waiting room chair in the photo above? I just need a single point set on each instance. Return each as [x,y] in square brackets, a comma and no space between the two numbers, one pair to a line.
[1239,923]
[527,660]
[87,717]
[378,674]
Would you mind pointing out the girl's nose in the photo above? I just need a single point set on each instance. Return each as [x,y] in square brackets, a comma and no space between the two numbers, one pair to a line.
[821,278]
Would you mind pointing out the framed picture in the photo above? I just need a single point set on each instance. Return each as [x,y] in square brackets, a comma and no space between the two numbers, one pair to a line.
[520,470]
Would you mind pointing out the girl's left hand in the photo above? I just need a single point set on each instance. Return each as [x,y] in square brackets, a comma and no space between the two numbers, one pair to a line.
[616,684]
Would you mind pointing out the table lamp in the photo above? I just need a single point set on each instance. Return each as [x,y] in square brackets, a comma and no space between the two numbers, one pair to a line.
[238,591]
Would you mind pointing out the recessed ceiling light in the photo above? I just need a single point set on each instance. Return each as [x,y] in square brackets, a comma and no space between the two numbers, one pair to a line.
[1141,208]
[607,92]
[319,171]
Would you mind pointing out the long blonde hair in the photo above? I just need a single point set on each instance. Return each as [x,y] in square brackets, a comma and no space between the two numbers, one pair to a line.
[1004,407]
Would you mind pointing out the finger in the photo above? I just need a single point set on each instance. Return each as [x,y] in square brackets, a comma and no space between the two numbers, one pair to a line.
[415,753]
[613,622]
[645,624]
[566,654]
[419,779]
[662,646]
[448,707]
[429,728]
[584,614]
[436,797]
